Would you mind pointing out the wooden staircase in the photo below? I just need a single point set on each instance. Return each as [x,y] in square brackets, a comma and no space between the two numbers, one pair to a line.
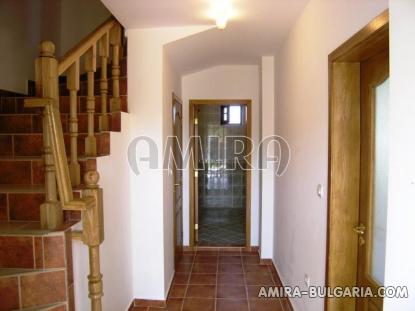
[35,258]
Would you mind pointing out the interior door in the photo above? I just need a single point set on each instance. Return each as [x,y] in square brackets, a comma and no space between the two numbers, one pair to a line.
[371,229]
[178,179]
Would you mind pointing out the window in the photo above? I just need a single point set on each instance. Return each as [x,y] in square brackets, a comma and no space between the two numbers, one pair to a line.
[231,115]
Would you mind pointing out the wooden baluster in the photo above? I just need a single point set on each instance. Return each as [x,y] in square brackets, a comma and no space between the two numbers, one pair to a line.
[93,236]
[115,41]
[104,54]
[90,68]
[46,77]
[73,87]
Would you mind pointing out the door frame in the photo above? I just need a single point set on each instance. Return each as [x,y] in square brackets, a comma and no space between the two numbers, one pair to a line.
[177,251]
[192,205]
[344,154]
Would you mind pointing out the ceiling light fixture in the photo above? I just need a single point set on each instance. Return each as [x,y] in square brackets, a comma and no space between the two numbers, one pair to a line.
[221,11]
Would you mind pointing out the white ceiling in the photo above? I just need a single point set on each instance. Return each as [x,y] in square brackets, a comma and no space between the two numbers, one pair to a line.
[258,28]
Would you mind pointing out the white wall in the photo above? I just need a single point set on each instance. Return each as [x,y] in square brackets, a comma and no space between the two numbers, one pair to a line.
[116,251]
[400,253]
[268,150]
[302,118]
[224,82]
[20,33]
[151,80]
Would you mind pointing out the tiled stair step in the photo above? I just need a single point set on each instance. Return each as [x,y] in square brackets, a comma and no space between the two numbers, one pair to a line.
[16,286]
[29,145]
[30,170]
[15,105]
[26,246]
[22,203]
[32,123]
[84,84]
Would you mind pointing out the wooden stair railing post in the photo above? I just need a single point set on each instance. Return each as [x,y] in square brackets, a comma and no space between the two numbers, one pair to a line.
[73,87]
[90,68]
[46,77]
[93,236]
[115,41]
[104,54]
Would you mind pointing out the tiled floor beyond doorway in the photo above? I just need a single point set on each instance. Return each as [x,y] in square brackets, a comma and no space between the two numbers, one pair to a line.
[221,280]
[222,227]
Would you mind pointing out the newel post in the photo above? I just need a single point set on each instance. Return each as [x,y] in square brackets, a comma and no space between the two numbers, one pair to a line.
[93,236]
[46,77]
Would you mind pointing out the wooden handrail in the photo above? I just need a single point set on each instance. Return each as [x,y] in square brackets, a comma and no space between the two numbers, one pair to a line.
[55,132]
[82,47]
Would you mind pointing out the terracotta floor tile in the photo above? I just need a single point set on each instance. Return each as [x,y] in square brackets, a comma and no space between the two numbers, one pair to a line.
[256,269]
[231,268]
[174,304]
[184,268]
[139,309]
[9,293]
[54,252]
[231,305]
[201,291]
[206,259]
[25,206]
[16,252]
[286,305]
[43,288]
[253,291]
[197,304]
[187,259]
[230,259]
[3,206]
[251,260]
[177,291]
[15,172]
[181,278]
[204,268]
[231,292]
[230,253]
[207,253]
[6,145]
[265,305]
[233,279]
[203,279]
[253,278]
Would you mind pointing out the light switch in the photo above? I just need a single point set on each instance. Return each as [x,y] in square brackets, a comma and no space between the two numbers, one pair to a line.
[320,191]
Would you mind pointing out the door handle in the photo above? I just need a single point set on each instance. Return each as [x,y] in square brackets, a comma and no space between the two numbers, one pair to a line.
[177,185]
[360,229]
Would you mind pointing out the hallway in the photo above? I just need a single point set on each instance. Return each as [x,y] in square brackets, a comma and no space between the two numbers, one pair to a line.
[220,279]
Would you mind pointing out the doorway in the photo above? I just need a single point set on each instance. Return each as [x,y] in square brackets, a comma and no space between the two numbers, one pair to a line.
[358,148]
[219,179]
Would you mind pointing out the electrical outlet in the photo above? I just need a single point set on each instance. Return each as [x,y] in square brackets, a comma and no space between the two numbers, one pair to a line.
[307,280]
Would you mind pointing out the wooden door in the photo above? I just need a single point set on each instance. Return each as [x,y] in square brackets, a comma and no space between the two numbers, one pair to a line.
[178,179]
[371,230]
